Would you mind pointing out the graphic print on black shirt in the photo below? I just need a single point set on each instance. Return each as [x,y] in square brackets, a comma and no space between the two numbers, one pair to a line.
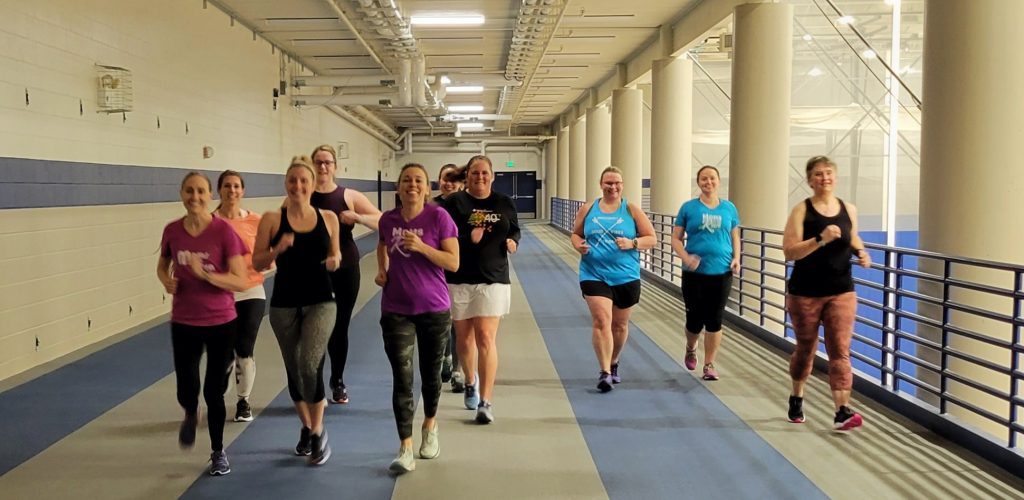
[493,220]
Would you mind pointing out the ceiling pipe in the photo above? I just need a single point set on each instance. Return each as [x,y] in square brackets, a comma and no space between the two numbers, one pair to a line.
[344,81]
[333,4]
[419,82]
[385,100]
[375,121]
[405,83]
[486,80]
[349,117]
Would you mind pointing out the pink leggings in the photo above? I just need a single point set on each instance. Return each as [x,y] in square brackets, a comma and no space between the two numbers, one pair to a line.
[837,313]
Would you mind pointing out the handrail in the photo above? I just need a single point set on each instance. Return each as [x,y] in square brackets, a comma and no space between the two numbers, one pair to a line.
[908,342]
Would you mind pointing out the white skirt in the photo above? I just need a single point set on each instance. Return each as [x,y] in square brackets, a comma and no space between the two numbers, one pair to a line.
[482,300]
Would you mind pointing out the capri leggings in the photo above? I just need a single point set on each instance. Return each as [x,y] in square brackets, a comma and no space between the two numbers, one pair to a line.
[302,333]
[705,296]
[837,313]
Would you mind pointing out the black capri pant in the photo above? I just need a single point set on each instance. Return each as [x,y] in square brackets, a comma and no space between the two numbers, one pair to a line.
[705,296]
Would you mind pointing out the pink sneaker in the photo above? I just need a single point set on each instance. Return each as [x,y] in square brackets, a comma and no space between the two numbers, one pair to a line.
[846,419]
[691,360]
[709,372]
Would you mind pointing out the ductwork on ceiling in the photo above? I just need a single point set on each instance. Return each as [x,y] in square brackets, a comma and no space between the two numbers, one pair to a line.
[535,26]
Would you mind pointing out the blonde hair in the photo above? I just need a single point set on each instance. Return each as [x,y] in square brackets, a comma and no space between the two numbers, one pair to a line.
[302,161]
[209,185]
[609,169]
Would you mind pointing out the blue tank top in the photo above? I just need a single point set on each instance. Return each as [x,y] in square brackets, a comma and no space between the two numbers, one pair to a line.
[605,262]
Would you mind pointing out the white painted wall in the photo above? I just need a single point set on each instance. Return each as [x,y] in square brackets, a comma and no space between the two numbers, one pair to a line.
[62,267]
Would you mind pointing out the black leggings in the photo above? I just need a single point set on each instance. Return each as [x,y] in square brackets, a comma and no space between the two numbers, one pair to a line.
[705,296]
[401,334]
[346,288]
[250,316]
[188,343]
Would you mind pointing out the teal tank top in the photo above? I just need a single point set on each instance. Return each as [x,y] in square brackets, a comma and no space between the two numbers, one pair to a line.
[605,262]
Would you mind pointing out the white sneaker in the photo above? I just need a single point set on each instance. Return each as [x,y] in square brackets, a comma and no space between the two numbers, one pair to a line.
[404,462]
[430,447]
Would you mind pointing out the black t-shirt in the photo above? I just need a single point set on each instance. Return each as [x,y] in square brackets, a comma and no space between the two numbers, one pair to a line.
[485,262]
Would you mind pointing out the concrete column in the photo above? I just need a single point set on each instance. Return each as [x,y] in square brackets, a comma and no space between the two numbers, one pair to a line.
[562,177]
[970,188]
[762,64]
[758,174]
[671,134]
[599,148]
[578,160]
[627,141]
[550,175]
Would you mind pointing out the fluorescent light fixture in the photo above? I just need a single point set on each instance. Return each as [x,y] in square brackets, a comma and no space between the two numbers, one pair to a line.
[469,125]
[846,20]
[466,108]
[815,72]
[465,89]
[445,80]
[446,20]
[869,54]
[808,37]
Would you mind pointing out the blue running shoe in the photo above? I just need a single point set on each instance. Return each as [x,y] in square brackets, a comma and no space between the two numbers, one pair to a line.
[471,398]
[615,374]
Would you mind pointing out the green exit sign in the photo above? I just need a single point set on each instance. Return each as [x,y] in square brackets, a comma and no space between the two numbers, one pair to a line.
[510,164]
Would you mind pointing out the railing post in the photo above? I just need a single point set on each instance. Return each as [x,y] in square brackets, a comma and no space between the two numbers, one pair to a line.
[944,354]
[1018,287]
[763,283]
[743,236]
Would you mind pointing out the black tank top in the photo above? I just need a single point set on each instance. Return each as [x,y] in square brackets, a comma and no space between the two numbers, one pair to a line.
[827,270]
[335,202]
[302,278]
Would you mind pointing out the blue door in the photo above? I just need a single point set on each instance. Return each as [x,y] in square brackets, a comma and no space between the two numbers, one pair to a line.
[522,188]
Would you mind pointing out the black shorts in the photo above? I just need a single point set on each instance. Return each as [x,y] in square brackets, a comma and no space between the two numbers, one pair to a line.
[623,296]
[705,296]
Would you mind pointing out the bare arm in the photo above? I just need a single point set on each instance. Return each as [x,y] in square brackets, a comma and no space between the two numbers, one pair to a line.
[646,237]
[578,239]
[863,257]
[235,279]
[382,264]
[794,246]
[262,253]
[362,211]
[446,257]
[333,261]
[163,273]
[737,250]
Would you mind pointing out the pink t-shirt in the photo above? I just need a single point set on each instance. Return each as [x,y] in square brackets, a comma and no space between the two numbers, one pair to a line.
[196,301]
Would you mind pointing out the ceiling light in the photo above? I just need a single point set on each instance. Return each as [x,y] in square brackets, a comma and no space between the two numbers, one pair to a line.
[845,20]
[808,37]
[815,72]
[469,125]
[466,108]
[454,20]
[465,89]
[445,80]
[869,54]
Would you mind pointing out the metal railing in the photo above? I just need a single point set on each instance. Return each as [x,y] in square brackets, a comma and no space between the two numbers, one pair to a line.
[944,331]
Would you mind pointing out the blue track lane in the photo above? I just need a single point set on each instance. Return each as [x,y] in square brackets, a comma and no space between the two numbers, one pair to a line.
[659,434]
[362,435]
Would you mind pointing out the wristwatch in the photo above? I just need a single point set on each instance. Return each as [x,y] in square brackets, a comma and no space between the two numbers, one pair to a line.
[820,241]
[636,244]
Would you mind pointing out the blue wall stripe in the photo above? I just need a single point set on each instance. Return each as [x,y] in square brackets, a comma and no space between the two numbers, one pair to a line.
[28,183]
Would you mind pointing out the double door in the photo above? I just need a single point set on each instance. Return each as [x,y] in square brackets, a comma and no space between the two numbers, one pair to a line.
[522,188]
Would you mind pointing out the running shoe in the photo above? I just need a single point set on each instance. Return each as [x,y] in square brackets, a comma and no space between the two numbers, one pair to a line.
[483,413]
[243,412]
[604,382]
[430,447]
[471,398]
[710,373]
[321,451]
[615,374]
[796,409]
[339,394]
[303,449]
[846,419]
[404,462]
[691,359]
[219,465]
[458,382]
[187,431]
[446,369]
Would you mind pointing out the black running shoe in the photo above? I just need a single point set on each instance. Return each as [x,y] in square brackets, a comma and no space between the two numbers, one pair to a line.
[604,382]
[339,394]
[187,431]
[219,465]
[303,449]
[446,369]
[615,374]
[243,413]
[321,451]
[796,410]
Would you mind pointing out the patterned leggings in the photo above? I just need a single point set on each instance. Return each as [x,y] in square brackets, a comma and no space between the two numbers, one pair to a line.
[401,334]
[837,313]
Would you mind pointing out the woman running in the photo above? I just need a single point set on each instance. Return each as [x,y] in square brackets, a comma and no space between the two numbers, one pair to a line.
[303,242]
[449,183]
[250,303]
[480,290]
[820,237]
[710,258]
[351,208]
[201,263]
[609,233]
[418,243]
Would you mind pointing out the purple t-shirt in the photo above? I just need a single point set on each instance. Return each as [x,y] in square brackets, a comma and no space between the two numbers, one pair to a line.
[196,301]
[415,285]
